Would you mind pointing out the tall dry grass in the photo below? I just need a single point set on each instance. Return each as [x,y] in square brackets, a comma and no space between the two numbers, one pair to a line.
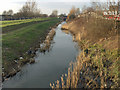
[94,68]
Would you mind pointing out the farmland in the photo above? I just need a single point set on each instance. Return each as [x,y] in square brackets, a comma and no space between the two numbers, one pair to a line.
[17,42]
[8,26]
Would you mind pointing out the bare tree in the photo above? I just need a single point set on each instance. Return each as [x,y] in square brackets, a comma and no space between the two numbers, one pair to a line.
[77,11]
[10,12]
[73,10]
[4,13]
[30,9]
[54,13]
[84,8]
[73,13]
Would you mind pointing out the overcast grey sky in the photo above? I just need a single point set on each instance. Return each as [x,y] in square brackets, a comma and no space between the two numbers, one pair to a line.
[46,6]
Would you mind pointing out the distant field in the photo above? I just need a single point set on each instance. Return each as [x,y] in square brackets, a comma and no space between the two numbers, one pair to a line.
[16,22]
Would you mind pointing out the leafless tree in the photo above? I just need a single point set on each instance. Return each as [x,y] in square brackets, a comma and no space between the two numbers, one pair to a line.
[10,12]
[74,12]
[30,9]
[77,11]
[4,13]
[54,13]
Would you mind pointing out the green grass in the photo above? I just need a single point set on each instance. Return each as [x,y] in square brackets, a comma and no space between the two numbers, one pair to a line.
[17,42]
[17,22]
[17,27]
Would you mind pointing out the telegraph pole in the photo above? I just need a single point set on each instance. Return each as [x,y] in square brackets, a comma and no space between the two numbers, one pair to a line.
[118,7]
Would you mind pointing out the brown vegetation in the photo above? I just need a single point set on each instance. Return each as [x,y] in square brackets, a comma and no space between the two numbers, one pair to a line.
[94,30]
[92,69]
[97,66]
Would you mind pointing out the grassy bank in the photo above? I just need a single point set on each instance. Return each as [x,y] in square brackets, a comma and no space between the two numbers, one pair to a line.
[8,26]
[97,66]
[17,42]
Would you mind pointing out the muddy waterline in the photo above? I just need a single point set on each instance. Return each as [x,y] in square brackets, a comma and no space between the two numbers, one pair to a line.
[49,66]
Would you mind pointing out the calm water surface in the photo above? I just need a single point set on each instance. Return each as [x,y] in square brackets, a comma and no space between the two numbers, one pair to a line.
[49,66]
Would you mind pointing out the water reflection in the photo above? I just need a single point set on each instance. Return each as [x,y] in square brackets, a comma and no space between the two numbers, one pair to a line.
[49,66]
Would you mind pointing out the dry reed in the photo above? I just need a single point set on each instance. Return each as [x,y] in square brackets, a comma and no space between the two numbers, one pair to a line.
[90,71]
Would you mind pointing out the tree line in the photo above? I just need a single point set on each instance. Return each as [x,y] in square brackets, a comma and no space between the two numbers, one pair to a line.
[29,10]
[96,7]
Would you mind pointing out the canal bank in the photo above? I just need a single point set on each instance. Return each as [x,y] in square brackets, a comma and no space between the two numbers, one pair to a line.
[96,66]
[48,66]
[19,46]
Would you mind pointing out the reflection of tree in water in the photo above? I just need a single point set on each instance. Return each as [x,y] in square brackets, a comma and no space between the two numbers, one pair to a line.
[47,44]
[66,31]
[49,47]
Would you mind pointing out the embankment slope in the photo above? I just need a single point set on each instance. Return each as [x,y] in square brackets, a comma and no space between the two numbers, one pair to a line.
[17,43]
[97,65]
[94,30]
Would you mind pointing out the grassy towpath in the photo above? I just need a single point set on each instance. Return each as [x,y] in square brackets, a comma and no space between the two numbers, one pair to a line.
[8,26]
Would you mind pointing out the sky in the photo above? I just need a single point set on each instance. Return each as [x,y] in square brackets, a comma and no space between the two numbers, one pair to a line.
[46,6]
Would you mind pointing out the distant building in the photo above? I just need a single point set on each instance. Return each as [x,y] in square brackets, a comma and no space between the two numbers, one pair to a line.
[5,17]
[1,18]
[113,10]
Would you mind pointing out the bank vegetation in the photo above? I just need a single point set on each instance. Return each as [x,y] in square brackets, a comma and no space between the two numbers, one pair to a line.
[97,65]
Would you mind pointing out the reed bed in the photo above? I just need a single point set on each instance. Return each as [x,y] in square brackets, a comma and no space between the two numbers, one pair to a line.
[94,67]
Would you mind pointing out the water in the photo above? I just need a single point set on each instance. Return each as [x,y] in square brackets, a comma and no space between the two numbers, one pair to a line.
[49,66]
